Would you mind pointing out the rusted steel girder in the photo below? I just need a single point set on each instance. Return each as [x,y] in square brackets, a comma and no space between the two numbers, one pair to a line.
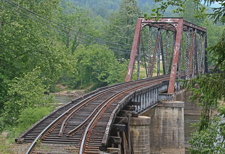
[179,28]
[133,51]
[194,56]
[191,53]
[171,20]
[139,59]
[154,54]
[205,55]
[203,52]
[162,53]
[149,49]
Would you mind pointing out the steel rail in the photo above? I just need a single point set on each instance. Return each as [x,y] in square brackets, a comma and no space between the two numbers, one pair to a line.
[140,87]
[94,118]
[71,114]
[115,95]
[87,95]
[81,105]
[66,112]
[88,118]
[57,119]
[104,140]
[72,131]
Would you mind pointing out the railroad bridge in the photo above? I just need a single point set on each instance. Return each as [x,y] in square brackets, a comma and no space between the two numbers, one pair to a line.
[142,116]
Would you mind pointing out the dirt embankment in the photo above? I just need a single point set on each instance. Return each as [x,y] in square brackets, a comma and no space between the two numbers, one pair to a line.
[74,93]
[64,91]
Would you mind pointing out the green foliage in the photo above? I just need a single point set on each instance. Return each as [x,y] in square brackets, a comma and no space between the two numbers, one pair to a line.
[26,44]
[31,59]
[163,5]
[29,116]
[4,147]
[208,94]
[97,65]
[213,32]
[189,13]
[109,4]
[78,23]
[218,13]
[24,92]
[179,7]
[209,141]
[117,72]
[121,26]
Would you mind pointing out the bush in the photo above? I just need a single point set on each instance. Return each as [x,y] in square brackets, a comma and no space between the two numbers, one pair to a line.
[27,118]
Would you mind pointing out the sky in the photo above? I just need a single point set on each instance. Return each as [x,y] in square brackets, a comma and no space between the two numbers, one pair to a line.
[214,5]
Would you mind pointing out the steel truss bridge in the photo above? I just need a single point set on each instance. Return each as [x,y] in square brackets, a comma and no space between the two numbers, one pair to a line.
[100,119]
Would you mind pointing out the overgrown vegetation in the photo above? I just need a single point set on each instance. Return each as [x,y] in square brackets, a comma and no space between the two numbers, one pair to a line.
[210,134]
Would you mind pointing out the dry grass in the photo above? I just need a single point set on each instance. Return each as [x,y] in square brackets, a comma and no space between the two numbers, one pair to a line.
[12,148]
[143,71]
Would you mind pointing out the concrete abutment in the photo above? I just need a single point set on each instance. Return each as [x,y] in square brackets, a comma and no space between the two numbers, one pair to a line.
[140,134]
[167,128]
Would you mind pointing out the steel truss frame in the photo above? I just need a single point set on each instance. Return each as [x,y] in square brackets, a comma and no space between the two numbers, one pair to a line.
[177,26]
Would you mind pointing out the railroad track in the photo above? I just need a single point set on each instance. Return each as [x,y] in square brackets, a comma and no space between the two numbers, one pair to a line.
[81,125]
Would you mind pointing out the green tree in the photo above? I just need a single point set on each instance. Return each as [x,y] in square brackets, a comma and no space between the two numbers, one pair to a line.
[211,90]
[78,24]
[190,12]
[97,65]
[122,25]
[31,58]
[26,91]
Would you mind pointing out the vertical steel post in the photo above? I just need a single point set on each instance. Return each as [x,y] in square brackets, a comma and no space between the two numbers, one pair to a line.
[194,55]
[162,52]
[187,52]
[172,46]
[119,145]
[154,54]
[196,52]
[139,59]
[128,136]
[199,52]
[133,51]
[167,45]
[149,50]
[179,29]
[191,53]
[201,56]
[183,53]
[158,53]
[206,61]
[179,67]
[203,52]
[124,142]
[143,50]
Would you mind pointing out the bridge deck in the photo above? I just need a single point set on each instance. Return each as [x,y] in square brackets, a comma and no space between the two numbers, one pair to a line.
[69,129]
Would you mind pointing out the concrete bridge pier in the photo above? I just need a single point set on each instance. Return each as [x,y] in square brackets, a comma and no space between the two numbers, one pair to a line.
[167,128]
[140,134]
